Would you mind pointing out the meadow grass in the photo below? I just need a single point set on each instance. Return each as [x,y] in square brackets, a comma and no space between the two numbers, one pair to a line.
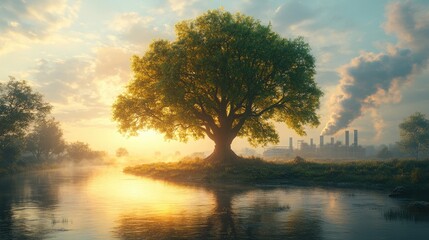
[361,173]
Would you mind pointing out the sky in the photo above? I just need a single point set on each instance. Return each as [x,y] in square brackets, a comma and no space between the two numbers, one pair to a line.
[371,61]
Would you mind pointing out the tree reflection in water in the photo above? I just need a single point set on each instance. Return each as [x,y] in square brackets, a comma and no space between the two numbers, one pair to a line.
[303,224]
[19,203]
[83,205]
[27,202]
[262,219]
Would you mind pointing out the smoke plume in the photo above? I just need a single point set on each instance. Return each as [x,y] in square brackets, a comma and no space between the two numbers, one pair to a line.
[373,79]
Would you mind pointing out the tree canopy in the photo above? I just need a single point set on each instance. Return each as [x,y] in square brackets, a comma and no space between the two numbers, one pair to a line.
[20,106]
[46,139]
[414,134]
[225,75]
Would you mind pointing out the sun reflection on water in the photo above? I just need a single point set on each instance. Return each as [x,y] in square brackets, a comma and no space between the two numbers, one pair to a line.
[136,193]
[104,203]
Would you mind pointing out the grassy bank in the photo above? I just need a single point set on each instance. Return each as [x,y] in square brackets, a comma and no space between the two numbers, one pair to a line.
[363,174]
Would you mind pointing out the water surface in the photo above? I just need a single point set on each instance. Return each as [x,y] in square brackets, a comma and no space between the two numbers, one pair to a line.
[104,203]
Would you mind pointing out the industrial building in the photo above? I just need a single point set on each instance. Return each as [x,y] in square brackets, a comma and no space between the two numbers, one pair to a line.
[332,150]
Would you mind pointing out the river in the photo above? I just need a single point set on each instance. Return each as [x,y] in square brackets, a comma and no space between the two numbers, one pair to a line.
[104,203]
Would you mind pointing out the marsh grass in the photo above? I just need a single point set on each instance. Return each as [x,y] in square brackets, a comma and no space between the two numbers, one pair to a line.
[363,173]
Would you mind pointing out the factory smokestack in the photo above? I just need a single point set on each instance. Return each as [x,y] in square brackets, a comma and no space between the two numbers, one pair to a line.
[290,143]
[373,79]
[311,141]
[347,138]
[321,141]
[355,137]
[332,140]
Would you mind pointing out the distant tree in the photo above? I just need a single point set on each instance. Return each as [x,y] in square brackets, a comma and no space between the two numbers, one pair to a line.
[121,152]
[224,76]
[46,140]
[20,106]
[414,134]
[78,151]
[384,152]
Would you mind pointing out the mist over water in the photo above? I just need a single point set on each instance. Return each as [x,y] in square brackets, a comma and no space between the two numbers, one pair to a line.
[104,203]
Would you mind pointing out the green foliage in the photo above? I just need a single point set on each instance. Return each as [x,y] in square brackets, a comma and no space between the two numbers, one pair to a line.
[414,133]
[11,147]
[46,139]
[224,76]
[20,106]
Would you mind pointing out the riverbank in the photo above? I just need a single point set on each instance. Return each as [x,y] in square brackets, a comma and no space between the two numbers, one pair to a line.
[372,174]
[16,168]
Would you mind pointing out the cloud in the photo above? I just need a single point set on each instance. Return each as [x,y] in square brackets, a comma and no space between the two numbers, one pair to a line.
[294,12]
[137,30]
[180,6]
[63,81]
[258,9]
[126,21]
[374,79]
[83,87]
[179,10]
[329,38]
[410,24]
[112,61]
[24,22]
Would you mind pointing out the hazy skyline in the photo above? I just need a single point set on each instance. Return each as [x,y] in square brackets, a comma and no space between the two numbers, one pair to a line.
[371,57]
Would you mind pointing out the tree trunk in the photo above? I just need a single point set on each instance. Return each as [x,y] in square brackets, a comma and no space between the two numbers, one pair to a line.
[222,153]
[418,151]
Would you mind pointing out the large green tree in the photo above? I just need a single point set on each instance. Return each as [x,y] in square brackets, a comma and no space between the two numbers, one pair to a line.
[20,106]
[225,75]
[414,134]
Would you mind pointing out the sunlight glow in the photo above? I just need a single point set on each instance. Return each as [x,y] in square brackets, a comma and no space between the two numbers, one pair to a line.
[135,192]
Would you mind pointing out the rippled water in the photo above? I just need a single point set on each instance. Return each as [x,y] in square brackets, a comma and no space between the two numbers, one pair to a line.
[104,203]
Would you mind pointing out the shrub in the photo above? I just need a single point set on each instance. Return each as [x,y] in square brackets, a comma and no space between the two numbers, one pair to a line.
[298,159]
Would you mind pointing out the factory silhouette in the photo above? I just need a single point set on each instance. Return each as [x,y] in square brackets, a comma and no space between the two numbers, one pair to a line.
[332,150]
